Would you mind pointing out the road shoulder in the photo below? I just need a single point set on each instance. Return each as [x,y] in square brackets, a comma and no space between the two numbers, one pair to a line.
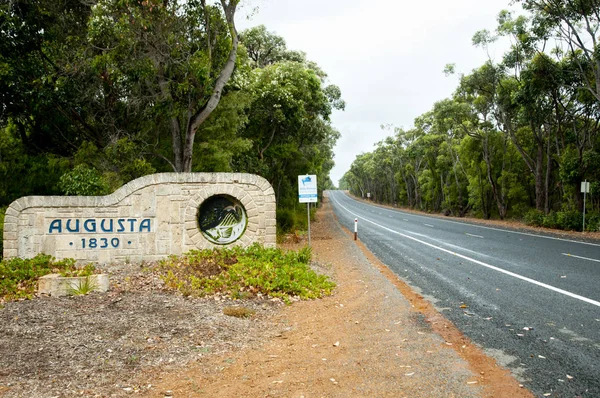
[373,337]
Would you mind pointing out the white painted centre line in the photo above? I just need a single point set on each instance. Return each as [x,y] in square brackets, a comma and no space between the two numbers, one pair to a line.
[509,273]
[475,236]
[428,225]
[583,258]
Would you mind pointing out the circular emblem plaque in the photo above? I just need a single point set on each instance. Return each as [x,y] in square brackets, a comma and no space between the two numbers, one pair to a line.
[222,219]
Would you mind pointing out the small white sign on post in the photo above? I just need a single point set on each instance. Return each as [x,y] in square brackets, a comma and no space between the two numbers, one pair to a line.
[585,187]
[307,193]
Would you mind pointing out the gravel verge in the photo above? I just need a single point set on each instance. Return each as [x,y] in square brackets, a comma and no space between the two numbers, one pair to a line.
[110,345]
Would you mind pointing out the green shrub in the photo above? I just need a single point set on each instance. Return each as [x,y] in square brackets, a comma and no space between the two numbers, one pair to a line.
[534,218]
[83,180]
[18,277]
[550,220]
[517,210]
[285,220]
[238,272]
[294,219]
[592,221]
[570,220]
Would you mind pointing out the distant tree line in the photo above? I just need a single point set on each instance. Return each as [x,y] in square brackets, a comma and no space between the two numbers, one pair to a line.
[517,137]
[97,93]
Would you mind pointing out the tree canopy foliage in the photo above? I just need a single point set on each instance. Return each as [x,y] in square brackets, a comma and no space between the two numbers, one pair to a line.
[516,138]
[95,94]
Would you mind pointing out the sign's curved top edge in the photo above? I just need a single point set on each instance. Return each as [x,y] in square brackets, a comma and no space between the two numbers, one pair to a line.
[26,202]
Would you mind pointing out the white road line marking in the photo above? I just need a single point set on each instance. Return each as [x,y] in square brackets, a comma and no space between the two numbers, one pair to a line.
[475,236]
[509,273]
[583,258]
[428,225]
[495,229]
[405,219]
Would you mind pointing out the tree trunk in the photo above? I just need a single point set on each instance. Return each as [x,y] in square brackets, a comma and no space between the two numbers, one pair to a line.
[488,162]
[547,180]
[539,176]
[201,115]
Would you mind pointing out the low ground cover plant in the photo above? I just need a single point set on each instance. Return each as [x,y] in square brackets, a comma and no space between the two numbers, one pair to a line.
[18,277]
[234,272]
[242,273]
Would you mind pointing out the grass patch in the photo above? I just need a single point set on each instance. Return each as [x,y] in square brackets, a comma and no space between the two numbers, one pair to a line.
[85,286]
[239,312]
[18,277]
[244,273]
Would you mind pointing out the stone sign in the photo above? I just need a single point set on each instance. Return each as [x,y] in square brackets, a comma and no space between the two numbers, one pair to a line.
[147,219]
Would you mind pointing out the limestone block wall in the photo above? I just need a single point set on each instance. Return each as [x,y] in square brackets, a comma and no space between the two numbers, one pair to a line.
[147,219]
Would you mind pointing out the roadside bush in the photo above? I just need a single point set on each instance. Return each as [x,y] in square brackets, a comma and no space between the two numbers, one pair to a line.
[534,218]
[550,220]
[285,220]
[18,277]
[293,219]
[570,220]
[518,210]
[592,221]
[83,180]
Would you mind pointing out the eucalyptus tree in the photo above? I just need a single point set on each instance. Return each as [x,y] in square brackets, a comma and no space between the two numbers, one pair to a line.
[163,67]
[486,124]
[387,166]
[39,41]
[400,143]
[450,120]
[359,177]
[415,162]
[41,117]
[577,142]
[556,82]
[288,125]
[428,145]
[266,48]
[576,25]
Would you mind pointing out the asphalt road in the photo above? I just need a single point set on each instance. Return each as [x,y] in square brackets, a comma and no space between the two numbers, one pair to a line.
[532,301]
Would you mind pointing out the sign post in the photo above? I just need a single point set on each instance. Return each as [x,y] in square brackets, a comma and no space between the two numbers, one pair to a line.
[307,193]
[585,188]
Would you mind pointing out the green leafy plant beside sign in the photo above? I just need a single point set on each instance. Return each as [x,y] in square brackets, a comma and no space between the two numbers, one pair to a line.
[18,277]
[242,273]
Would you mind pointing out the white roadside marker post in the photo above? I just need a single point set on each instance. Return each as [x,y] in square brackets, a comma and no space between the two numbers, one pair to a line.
[585,188]
[355,228]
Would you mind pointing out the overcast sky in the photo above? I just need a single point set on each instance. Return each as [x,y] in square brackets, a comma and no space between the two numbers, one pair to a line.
[387,56]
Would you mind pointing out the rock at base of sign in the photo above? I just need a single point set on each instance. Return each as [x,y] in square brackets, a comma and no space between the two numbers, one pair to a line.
[56,285]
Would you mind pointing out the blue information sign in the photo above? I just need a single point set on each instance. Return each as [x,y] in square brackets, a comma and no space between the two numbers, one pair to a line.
[307,188]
